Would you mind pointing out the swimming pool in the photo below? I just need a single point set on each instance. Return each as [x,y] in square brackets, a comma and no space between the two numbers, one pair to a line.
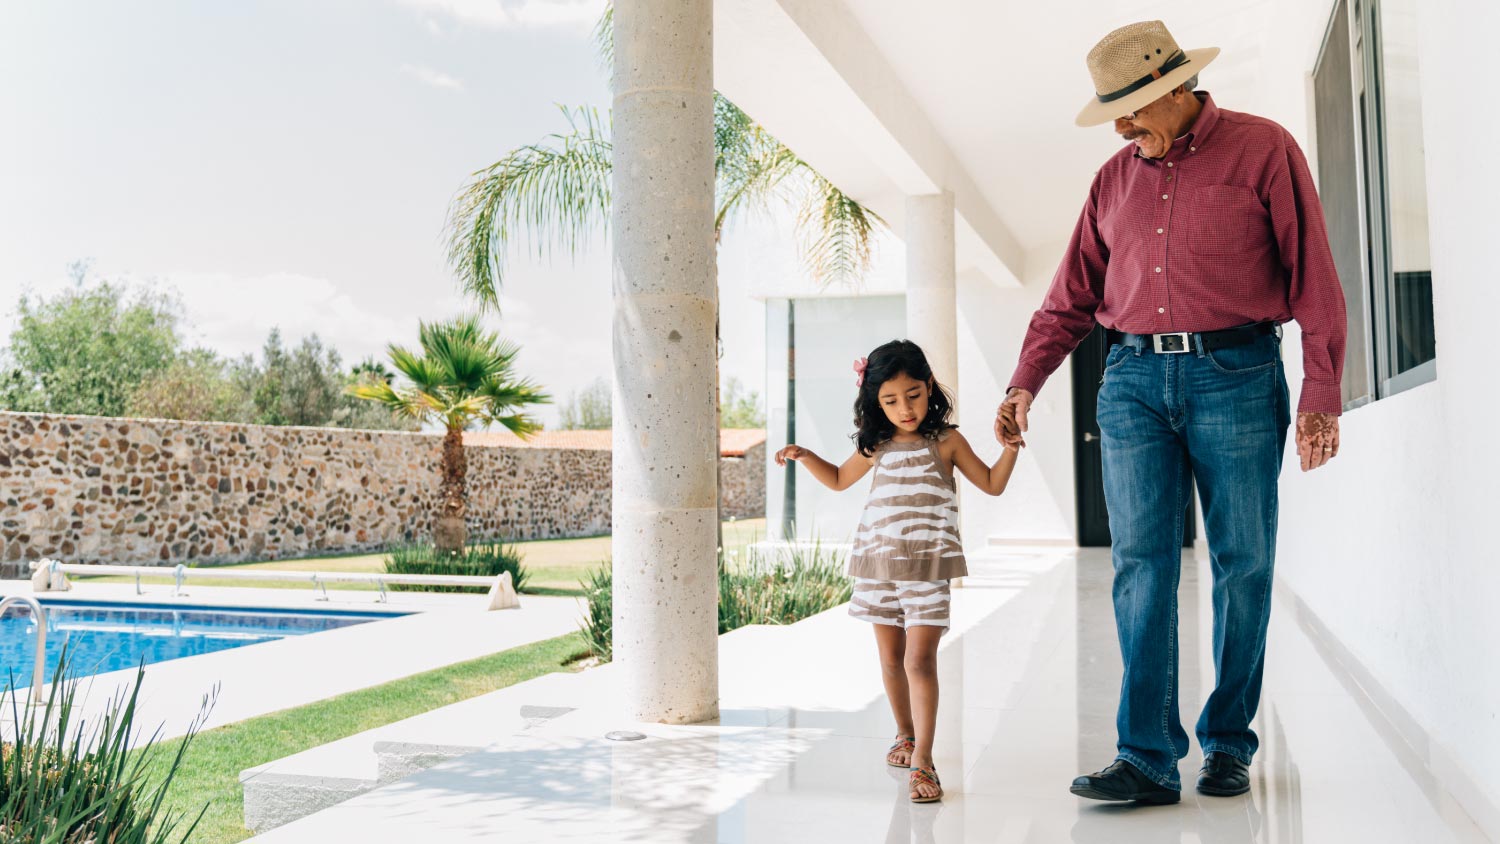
[107,636]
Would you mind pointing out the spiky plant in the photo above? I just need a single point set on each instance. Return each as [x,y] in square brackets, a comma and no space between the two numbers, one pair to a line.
[463,375]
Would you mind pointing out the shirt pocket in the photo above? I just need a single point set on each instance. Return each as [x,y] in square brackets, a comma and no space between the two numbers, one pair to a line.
[1226,220]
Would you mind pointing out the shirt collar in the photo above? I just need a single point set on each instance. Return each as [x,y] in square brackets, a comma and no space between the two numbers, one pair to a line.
[1208,117]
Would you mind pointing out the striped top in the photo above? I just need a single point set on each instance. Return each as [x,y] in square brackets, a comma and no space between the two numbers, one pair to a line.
[909,530]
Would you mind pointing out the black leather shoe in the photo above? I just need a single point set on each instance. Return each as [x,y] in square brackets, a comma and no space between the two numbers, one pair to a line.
[1223,775]
[1123,781]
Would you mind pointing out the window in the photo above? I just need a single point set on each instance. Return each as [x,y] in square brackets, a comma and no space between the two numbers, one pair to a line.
[1368,119]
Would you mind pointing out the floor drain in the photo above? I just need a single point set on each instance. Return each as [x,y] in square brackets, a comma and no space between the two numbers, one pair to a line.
[624,735]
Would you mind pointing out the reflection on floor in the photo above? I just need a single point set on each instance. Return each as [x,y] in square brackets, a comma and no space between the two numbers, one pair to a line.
[1029,674]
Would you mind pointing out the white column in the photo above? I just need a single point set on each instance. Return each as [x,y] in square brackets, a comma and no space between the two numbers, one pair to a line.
[931,297]
[666,448]
[932,293]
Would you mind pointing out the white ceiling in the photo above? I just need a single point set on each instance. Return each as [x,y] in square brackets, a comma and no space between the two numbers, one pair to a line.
[997,83]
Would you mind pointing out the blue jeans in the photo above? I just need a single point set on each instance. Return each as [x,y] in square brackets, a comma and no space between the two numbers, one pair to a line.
[1224,414]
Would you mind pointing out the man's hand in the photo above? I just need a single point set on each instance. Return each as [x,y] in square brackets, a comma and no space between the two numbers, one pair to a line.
[1317,439]
[1010,416]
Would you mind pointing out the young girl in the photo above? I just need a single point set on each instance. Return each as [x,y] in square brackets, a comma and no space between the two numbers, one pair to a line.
[907,548]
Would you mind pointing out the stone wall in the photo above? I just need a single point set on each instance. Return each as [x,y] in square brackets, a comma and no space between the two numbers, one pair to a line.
[90,489]
[742,484]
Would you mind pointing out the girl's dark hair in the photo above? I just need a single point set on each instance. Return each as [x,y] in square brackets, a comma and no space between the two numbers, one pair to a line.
[886,362]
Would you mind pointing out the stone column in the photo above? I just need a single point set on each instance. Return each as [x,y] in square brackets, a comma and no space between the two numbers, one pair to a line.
[931,299]
[665,364]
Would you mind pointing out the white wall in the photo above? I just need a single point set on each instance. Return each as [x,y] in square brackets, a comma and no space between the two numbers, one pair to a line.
[1039,503]
[1389,545]
[831,334]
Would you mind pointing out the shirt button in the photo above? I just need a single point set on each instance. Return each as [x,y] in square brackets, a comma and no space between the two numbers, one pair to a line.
[1161,310]
[1158,269]
[1169,164]
[1160,231]
[1163,196]
[1192,149]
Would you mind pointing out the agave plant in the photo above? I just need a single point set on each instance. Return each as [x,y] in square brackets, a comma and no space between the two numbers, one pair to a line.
[66,781]
[463,375]
[556,195]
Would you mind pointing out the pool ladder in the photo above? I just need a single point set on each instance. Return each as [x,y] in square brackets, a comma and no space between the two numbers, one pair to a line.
[40,614]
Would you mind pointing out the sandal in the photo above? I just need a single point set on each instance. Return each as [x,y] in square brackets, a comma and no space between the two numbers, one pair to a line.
[928,776]
[904,744]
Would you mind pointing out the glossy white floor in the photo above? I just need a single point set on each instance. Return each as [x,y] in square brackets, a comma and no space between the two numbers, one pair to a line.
[1030,674]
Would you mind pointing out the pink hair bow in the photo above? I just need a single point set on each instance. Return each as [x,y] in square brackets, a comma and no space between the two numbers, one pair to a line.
[859,370]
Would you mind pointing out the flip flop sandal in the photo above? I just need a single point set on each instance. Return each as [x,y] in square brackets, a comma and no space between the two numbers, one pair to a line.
[929,776]
[903,743]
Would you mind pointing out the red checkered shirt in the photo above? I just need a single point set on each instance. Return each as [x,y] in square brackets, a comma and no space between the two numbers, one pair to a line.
[1223,230]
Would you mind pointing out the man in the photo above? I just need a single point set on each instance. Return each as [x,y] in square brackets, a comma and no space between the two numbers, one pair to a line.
[1197,241]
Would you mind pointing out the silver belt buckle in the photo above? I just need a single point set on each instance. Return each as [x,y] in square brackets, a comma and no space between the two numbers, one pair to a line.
[1171,344]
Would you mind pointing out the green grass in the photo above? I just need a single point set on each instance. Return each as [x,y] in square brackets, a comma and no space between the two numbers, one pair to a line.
[553,566]
[210,771]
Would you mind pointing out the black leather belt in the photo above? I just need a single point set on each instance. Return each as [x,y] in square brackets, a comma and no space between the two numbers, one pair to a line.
[1179,342]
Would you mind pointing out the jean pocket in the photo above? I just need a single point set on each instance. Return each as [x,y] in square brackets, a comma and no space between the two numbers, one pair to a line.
[1240,360]
[1117,356]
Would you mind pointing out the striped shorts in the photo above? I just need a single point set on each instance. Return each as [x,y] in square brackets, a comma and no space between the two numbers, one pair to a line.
[901,603]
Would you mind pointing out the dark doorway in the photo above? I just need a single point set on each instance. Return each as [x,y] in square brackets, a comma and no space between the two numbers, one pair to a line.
[1088,458]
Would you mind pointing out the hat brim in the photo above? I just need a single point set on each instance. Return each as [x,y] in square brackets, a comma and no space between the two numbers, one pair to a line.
[1097,113]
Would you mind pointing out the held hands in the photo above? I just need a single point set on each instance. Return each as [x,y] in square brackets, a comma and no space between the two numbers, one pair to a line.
[1010,418]
[1317,439]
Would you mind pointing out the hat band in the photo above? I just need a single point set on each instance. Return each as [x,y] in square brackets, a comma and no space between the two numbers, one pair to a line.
[1174,61]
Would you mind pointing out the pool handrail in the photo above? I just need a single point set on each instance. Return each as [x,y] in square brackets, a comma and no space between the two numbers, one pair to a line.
[319,579]
[38,612]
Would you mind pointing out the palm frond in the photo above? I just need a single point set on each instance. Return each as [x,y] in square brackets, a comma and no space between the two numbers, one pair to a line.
[554,195]
[604,38]
[837,233]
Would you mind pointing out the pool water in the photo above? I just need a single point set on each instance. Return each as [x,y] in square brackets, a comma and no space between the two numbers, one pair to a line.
[111,636]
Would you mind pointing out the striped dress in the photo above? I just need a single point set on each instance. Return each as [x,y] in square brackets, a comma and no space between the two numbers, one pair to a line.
[909,530]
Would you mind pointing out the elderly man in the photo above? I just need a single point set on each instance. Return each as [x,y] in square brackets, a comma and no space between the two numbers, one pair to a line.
[1199,238]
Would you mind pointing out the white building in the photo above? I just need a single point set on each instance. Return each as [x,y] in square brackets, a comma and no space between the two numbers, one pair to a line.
[1383,550]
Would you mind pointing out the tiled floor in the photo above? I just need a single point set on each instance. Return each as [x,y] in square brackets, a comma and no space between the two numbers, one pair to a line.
[1030,675]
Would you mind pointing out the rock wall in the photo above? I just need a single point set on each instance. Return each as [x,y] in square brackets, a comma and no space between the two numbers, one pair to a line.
[742,484]
[90,489]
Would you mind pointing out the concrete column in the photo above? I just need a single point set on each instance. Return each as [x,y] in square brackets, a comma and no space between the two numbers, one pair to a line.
[932,294]
[665,364]
[931,297]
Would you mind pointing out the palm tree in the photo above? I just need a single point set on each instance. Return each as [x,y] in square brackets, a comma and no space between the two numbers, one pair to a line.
[463,375]
[556,194]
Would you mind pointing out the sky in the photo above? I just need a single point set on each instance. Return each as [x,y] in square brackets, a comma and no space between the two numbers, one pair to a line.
[290,163]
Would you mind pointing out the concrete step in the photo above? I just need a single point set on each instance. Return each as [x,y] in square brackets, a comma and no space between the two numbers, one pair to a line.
[295,786]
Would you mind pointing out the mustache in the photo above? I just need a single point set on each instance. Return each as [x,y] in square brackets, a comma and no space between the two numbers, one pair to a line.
[1130,136]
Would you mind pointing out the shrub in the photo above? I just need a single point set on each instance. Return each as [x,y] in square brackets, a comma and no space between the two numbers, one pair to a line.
[598,625]
[764,590]
[485,559]
[77,783]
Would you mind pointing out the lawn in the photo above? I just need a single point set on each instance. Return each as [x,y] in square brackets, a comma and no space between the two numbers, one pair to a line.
[553,566]
[210,772]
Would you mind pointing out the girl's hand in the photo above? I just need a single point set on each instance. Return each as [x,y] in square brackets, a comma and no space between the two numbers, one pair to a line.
[791,452]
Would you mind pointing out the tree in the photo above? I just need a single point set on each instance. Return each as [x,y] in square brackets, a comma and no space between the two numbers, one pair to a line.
[198,385]
[463,375]
[740,408]
[556,194]
[589,410]
[86,350]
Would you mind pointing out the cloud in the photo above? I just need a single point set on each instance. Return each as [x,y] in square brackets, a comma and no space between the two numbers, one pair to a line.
[510,14]
[233,314]
[435,78]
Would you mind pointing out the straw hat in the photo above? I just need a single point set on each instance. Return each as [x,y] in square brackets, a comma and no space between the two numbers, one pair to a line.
[1134,65]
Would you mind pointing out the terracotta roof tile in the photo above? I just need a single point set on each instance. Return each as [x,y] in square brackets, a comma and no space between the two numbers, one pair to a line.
[733,442]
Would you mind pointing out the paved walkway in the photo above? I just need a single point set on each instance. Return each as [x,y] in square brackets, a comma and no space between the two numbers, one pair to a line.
[1030,676]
